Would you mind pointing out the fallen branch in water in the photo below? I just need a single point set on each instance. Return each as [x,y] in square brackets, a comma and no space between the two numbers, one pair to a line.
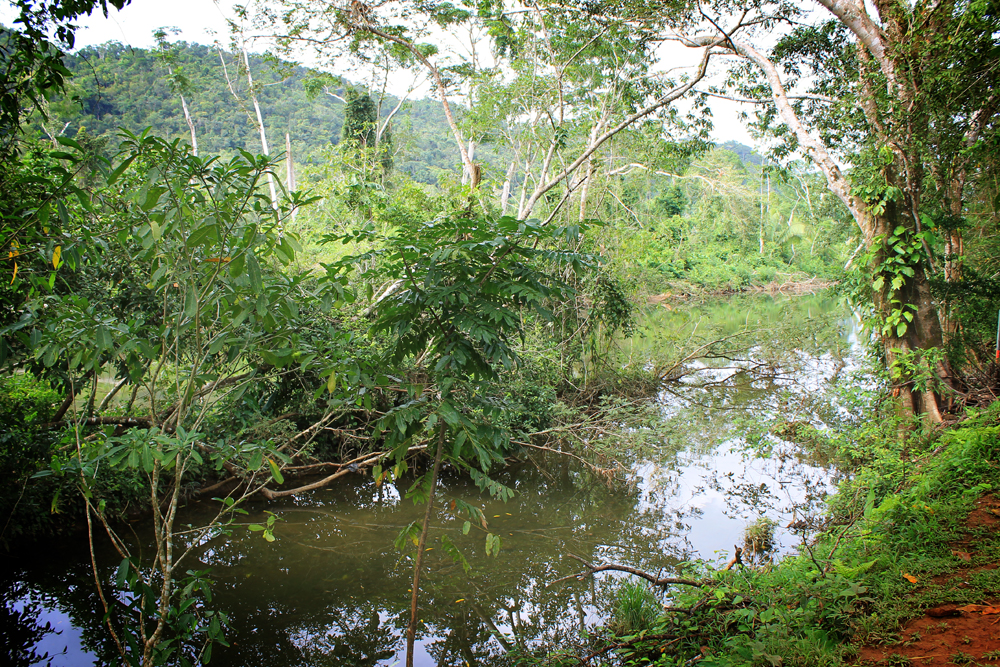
[595,468]
[358,465]
[625,644]
[662,582]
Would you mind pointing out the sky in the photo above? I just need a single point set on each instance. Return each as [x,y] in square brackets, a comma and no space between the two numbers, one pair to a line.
[204,22]
[201,21]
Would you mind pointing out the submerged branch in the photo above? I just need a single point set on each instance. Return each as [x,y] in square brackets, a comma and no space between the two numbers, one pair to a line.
[356,465]
[593,467]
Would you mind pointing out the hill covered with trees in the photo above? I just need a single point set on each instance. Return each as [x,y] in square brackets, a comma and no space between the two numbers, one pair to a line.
[118,87]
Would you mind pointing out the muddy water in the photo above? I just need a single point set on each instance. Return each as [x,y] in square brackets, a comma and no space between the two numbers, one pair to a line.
[332,589]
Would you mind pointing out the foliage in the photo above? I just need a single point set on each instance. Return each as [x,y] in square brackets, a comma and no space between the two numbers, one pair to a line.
[635,608]
[128,88]
[205,314]
[25,403]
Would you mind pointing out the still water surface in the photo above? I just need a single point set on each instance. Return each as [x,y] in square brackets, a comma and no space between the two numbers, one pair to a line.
[332,590]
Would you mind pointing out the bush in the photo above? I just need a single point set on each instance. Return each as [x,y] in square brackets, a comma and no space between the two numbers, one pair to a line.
[25,507]
[635,608]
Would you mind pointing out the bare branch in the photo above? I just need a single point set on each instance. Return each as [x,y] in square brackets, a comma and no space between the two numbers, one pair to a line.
[662,582]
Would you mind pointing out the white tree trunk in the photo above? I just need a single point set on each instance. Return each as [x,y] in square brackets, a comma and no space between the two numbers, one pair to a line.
[260,127]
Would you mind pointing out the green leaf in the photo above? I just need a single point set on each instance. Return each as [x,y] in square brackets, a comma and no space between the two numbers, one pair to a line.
[191,302]
[237,264]
[121,169]
[72,143]
[121,573]
[275,472]
[152,198]
[204,235]
[253,269]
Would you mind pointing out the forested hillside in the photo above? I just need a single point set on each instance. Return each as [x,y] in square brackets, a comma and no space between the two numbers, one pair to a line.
[115,86]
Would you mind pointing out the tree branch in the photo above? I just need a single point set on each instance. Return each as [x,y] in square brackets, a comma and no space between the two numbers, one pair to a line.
[662,582]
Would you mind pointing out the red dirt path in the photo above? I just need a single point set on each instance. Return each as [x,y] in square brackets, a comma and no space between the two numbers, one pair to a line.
[943,634]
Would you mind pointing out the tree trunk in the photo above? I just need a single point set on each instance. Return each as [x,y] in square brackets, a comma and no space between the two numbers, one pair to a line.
[919,375]
[411,630]
[912,356]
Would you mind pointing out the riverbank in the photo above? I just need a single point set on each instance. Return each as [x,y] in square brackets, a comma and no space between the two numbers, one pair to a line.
[794,285]
[903,568]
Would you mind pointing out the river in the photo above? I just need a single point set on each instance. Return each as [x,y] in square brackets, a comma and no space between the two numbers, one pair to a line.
[332,589]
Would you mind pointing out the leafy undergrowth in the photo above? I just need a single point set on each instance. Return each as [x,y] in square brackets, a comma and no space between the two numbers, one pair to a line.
[909,532]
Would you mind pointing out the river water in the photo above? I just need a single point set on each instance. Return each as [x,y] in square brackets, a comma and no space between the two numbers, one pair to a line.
[332,590]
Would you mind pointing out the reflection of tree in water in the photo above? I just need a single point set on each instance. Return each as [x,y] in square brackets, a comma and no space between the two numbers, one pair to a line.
[333,590]
[22,630]
[352,637]
[464,635]
[42,579]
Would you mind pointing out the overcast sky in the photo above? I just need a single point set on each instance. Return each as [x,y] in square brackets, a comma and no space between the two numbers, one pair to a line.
[134,25]
[204,22]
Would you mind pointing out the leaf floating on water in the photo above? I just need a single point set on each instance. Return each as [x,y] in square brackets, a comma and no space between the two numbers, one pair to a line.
[909,577]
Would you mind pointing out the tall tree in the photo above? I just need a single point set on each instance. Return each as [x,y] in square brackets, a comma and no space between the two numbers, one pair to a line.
[904,93]
[561,77]
[362,127]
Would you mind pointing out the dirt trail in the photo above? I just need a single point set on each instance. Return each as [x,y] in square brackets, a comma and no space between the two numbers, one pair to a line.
[951,634]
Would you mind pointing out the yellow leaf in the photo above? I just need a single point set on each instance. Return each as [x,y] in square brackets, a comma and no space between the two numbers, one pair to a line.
[15,274]
[459,600]
[56,254]
[909,577]
[331,384]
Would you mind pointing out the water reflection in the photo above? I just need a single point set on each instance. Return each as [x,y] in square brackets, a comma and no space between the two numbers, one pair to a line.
[333,590]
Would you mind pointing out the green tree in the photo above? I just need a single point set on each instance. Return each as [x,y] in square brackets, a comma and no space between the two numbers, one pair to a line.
[906,96]
[452,296]
[359,119]
[363,130]
[192,313]
[32,62]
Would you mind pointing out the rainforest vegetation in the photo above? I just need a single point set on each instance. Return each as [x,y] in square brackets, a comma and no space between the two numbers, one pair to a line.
[230,279]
